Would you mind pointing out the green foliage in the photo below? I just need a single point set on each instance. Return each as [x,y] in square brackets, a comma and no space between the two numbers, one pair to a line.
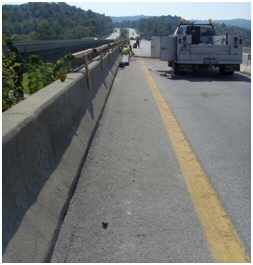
[11,90]
[54,21]
[41,74]
[49,31]
[124,33]
[153,26]
[61,67]
[222,29]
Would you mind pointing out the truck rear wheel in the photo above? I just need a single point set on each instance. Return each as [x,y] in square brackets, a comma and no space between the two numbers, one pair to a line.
[229,73]
[221,69]
[175,69]
[224,72]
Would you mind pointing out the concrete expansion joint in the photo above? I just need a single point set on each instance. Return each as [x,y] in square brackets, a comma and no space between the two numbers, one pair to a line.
[63,195]
[81,140]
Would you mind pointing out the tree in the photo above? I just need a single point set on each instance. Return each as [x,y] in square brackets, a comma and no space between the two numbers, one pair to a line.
[44,31]
[124,33]
[40,74]
[11,89]
[52,20]
[34,74]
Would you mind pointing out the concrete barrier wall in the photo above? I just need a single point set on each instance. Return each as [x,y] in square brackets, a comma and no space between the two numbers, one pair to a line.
[45,140]
[245,67]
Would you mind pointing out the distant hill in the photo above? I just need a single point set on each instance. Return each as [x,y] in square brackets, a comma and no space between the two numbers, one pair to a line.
[166,25]
[239,22]
[45,20]
[127,18]
[53,21]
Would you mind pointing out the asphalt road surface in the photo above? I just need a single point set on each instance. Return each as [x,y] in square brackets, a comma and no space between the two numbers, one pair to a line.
[115,34]
[166,149]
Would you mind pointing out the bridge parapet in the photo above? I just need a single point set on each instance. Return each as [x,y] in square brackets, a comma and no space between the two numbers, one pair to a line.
[45,140]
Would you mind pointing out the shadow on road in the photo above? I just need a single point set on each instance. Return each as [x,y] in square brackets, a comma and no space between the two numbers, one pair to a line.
[209,75]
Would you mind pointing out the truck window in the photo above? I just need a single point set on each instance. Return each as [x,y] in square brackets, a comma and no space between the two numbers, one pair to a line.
[206,32]
[195,32]
[181,30]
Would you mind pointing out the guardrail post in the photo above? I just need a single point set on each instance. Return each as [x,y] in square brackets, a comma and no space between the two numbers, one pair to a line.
[83,56]
[87,71]
[101,60]
[113,49]
[69,66]
[108,50]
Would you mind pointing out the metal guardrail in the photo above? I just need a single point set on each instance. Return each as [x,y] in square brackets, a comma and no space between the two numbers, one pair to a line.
[103,50]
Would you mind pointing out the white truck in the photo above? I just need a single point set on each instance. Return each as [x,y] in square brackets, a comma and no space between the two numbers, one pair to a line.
[196,46]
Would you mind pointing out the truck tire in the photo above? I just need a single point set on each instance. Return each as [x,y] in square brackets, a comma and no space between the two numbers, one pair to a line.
[175,69]
[223,72]
[229,73]
[203,66]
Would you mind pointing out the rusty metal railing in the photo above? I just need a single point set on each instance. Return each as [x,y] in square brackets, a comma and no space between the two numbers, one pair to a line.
[107,49]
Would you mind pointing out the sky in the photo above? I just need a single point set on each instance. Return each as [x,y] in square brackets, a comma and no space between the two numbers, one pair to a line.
[187,9]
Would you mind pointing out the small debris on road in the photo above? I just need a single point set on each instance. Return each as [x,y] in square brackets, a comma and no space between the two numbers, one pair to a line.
[104,224]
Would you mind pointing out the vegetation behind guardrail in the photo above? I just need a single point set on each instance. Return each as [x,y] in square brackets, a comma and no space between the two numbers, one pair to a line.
[39,73]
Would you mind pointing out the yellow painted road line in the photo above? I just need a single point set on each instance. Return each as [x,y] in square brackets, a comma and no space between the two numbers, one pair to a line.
[223,240]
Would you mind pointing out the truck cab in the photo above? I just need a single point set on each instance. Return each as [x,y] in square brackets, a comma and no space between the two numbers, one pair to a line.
[200,33]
